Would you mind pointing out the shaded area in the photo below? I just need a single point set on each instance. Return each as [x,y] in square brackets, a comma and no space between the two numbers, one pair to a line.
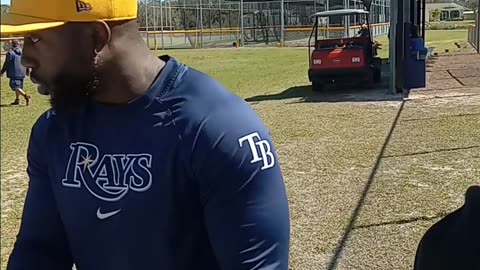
[345,93]
[344,90]
[389,247]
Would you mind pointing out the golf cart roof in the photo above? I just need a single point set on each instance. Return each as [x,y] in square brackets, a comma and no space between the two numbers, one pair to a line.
[339,12]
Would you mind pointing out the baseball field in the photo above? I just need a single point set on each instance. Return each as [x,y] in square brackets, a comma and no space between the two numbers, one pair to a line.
[366,172]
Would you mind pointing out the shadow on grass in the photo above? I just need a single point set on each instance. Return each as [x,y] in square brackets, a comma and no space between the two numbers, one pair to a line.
[11,106]
[331,93]
[434,151]
[401,221]
[440,117]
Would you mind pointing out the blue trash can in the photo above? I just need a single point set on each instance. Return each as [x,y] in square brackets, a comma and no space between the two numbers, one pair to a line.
[415,65]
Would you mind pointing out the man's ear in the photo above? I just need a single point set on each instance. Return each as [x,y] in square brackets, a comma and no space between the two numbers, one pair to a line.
[102,35]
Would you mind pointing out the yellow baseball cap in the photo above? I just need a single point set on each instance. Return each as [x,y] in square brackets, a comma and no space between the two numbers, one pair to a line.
[34,15]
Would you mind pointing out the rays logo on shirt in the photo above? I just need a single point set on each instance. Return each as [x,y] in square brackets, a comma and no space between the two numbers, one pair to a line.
[108,177]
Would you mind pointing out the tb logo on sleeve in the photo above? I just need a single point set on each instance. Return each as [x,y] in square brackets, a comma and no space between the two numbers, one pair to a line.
[261,150]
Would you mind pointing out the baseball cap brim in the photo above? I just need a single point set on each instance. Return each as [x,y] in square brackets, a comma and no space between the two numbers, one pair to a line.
[19,24]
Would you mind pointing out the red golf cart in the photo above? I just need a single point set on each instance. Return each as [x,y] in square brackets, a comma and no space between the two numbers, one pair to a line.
[342,58]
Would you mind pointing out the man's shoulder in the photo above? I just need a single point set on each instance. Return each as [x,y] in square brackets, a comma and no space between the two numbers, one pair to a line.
[48,115]
[198,102]
[203,95]
[204,92]
[44,121]
[208,106]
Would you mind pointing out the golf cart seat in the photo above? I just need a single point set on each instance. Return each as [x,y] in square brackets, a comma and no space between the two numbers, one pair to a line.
[353,42]
[328,46]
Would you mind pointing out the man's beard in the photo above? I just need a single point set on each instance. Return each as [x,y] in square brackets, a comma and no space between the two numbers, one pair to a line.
[70,93]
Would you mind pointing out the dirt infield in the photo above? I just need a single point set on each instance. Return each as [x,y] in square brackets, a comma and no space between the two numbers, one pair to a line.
[451,75]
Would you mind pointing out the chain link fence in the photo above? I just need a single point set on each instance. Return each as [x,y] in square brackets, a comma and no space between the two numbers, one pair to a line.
[171,25]
[182,24]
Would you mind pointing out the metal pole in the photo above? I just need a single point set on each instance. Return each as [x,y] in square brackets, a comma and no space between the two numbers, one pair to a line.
[201,24]
[161,24]
[184,21]
[146,23]
[327,8]
[384,11]
[241,23]
[282,23]
[154,5]
[170,26]
[220,17]
[477,28]
[346,19]
[392,42]
[196,24]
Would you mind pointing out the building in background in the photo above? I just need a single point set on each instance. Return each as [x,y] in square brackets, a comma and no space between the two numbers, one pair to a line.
[445,12]
[469,15]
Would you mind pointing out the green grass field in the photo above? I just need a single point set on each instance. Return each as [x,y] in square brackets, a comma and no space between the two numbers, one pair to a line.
[328,146]
[440,39]
[450,25]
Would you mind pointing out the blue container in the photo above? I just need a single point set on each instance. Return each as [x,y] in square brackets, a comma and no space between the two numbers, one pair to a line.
[415,65]
[416,44]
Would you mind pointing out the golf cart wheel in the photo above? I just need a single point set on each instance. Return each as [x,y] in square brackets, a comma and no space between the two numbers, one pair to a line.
[317,86]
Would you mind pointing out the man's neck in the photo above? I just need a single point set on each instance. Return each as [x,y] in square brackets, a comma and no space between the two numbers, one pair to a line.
[129,77]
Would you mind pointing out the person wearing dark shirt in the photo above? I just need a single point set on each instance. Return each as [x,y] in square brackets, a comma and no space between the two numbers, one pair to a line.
[363,32]
[142,162]
[15,72]
[454,241]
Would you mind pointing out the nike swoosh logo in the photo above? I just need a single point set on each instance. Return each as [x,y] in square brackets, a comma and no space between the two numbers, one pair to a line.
[101,215]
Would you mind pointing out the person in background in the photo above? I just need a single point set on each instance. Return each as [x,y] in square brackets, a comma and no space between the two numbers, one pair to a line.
[16,72]
[363,32]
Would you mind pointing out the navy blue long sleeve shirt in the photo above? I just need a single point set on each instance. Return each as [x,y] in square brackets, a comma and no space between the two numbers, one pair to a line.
[185,177]
[13,65]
